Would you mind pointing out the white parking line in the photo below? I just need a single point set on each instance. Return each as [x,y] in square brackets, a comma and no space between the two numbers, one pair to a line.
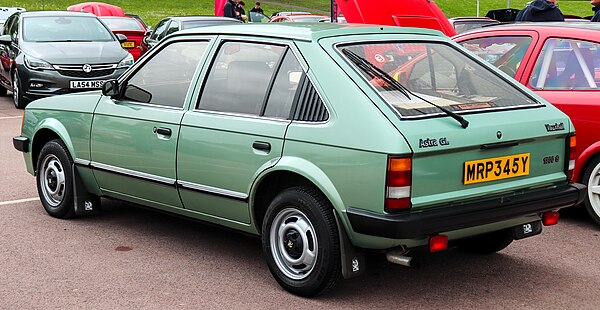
[2,203]
[9,117]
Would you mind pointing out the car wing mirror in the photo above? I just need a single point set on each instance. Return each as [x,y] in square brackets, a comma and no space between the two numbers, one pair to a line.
[5,40]
[121,37]
[111,88]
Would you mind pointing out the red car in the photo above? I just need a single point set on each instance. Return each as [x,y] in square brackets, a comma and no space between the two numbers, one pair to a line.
[300,18]
[561,63]
[133,29]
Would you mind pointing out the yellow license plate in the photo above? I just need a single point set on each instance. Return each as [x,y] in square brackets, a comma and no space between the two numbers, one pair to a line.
[128,44]
[497,168]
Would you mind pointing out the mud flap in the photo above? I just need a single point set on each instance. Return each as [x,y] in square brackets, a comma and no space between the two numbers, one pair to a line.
[85,203]
[353,259]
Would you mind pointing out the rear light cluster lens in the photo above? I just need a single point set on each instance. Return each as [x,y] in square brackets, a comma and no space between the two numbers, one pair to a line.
[550,218]
[570,165]
[399,179]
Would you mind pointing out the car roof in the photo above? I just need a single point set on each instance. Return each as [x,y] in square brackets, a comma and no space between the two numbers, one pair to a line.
[55,13]
[544,25]
[306,31]
[202,18]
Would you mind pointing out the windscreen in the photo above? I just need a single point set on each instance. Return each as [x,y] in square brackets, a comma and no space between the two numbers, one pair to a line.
[64,29]
[129,24]
[433,72]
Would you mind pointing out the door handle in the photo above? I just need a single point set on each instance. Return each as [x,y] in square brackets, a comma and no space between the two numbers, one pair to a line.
[162,131]
[261,146]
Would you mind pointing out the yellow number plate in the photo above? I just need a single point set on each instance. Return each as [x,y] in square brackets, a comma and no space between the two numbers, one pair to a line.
[128,44]
[490,169]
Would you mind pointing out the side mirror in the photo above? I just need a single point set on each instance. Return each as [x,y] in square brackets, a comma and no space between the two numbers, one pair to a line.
[121,37]
[6,40]
[110,88]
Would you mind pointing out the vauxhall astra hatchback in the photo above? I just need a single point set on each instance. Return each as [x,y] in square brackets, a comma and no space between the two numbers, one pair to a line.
[324,140]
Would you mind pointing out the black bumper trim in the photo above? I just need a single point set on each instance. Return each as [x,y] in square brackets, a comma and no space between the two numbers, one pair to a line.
[464,215]
[21,143]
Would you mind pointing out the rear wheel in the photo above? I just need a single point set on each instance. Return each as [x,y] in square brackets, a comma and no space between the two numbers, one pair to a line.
[20,102]
[489,243]
[301,243]
[55,180]
[591,178]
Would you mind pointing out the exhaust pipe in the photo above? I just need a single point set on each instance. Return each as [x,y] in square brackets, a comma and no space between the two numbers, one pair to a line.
[398,257]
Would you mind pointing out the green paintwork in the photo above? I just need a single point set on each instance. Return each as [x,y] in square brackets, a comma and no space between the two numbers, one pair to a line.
[345,157]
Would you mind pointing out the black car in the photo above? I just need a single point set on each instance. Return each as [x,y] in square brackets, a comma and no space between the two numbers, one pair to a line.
[173,24]
[50,53]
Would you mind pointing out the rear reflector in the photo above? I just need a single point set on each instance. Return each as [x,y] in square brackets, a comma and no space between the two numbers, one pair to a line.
[438,243]
[398,181]
[550,218]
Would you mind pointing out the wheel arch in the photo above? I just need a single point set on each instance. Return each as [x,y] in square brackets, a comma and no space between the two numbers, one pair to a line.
[289,172]
[586,157]
[48,130]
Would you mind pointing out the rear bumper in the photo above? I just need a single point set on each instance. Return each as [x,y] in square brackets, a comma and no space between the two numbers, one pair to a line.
[465,215]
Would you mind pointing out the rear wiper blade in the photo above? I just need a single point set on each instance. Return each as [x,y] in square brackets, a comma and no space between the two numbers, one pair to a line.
[374,71]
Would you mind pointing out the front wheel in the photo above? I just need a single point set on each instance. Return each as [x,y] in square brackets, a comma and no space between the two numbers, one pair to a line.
[18,98]
[55,180]
[301,243]
[591,178]
[486,244]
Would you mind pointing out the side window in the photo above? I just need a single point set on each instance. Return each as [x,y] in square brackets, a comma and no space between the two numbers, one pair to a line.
[173,27]
[164,80]
[506,53]
[160,28]
[284,88]
[8,27]
[239,77]
[565,64]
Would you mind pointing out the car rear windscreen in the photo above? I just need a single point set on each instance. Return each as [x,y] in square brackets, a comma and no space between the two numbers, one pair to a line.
[127,24]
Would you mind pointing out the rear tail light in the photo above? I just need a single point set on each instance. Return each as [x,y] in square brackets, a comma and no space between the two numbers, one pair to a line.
[550,218]
[398,182]
[438,243]
[570,163]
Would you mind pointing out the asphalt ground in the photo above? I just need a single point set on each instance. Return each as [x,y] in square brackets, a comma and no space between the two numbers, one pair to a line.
[133,258]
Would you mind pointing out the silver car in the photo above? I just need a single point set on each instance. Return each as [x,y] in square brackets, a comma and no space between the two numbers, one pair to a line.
[50,53]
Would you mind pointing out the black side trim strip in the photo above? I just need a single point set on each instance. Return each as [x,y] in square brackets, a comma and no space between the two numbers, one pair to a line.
[465,215]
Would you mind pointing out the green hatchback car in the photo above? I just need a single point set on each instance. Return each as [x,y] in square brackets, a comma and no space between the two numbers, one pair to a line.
[325,140]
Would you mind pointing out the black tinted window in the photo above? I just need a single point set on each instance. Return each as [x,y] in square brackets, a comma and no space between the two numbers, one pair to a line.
[64,28]
[239,77]
[173,27]
[165,79]
[283,91]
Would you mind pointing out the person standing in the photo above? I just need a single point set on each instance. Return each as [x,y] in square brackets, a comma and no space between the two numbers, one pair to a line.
[596,9]
[258,9]
[540,11]
[240,11]
[229,10]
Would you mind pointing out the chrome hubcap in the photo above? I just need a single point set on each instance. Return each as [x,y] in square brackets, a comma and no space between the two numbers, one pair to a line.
[52,180]
[293,243]
[594,189]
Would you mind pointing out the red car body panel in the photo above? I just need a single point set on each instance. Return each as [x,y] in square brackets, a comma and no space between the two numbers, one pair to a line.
[582,106]
[407,13]
[97,8]
[297,18]
[219,4]
[135,36]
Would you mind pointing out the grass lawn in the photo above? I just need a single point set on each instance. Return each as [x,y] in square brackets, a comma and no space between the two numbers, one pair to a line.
[153,10]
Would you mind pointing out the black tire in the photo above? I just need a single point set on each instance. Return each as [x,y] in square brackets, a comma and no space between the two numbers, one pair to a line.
[54,180]
[18,98]
[591,178]
[315,249]
[486,244]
